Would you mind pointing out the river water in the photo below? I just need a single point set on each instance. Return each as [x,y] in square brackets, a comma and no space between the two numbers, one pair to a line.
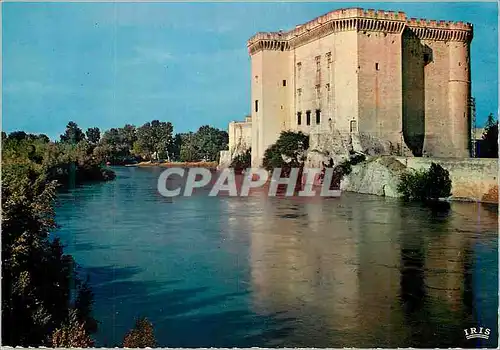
[354,271]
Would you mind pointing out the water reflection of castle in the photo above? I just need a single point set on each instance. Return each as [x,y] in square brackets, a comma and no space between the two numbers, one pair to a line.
[350,274]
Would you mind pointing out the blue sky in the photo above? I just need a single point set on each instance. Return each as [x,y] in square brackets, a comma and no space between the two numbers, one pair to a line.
[108,64]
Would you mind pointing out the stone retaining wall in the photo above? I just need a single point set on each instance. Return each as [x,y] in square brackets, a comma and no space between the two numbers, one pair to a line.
[473,179]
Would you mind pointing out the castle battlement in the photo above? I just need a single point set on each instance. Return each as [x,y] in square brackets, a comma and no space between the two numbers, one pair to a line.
[421,22]
[361,20]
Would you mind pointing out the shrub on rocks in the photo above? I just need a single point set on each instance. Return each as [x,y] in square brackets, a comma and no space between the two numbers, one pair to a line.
[242,161]
[424,185]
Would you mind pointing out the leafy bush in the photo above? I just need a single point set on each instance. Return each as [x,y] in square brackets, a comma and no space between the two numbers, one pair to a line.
[242,161]
[72,334]
[425,185]
[290,145]
[141,336]
[38,279]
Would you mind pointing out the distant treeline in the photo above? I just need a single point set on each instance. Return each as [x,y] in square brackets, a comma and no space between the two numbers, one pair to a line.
[152,141]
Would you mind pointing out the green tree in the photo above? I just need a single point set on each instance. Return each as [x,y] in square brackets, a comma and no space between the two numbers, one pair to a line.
[127,136]
[210,141]
[287,152]
[73,134]
[488,146]
[242,161]
[117,144]
[189,151]
[93,135]
[17,135]
[176,147]
[141,336]
[154,138]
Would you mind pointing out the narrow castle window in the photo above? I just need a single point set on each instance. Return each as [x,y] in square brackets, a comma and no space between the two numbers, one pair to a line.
[308,117]
[376,66]
[427,58]
[284,82]
[318,116]
[353,126]
[328,59]
[318,63]
[299,118]
[328,87]
[299,67]
[256,105]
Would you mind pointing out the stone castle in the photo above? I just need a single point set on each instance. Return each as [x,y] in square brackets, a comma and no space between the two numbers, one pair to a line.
[364,80]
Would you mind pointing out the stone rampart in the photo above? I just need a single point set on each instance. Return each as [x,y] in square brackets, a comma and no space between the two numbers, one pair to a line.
[473,179]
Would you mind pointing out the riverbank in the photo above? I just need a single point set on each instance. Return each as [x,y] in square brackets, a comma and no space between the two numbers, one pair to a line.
[208,165]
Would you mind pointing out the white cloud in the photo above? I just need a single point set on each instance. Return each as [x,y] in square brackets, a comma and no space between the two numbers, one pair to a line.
[145,55]
[35,87]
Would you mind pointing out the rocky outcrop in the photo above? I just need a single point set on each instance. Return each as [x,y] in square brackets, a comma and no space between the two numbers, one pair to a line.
[377,175]
[339,146]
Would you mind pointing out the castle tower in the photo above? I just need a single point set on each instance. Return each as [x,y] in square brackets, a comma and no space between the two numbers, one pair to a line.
[447,85]
[270,84]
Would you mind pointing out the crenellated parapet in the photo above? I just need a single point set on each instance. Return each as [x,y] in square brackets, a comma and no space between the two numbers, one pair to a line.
[332,22]
[268,41]
[441,30]
[357,19]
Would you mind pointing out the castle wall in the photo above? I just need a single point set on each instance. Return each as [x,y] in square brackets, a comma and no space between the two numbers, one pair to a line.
[240,136]
[380,87]
[345,81]
[319,89]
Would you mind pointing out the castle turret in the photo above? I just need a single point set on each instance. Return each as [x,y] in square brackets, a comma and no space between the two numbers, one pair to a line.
[270,83]
[459,88]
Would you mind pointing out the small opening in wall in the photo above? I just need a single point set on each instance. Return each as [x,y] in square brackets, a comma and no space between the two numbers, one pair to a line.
[256,105]
[308,117]
[299,118]
[284,82]
[353,126]
[318,116]
[376,66]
